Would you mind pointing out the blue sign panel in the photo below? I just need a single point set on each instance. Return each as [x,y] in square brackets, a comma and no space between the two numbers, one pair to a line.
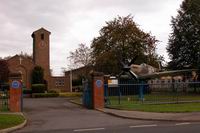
[99,83]
[15,84]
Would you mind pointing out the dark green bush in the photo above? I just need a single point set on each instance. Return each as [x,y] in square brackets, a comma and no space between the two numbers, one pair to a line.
[38,75]
[52,91]
[44,95]
[27,91]
[38,88]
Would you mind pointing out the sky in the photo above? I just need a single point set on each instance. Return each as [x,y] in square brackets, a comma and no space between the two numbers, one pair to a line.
[72,22]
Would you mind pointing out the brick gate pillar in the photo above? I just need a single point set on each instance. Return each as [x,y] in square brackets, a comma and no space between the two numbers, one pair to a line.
[15,101]
[98,90]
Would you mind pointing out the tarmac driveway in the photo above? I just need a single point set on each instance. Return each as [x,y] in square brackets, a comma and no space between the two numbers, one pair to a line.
[59,115]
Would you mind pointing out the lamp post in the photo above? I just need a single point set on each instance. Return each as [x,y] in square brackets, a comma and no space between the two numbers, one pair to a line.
[198,65]
[70,80]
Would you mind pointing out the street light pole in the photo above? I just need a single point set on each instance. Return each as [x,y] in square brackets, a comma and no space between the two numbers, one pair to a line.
[70,80]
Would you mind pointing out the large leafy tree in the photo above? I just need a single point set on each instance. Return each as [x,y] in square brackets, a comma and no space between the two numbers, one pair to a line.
[4,71]
[122,40]
[184,41]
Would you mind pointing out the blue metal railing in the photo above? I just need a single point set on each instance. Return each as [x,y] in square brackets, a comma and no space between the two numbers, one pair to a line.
[154,93]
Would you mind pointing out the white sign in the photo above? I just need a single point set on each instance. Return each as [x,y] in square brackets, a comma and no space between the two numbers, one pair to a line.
[113,83]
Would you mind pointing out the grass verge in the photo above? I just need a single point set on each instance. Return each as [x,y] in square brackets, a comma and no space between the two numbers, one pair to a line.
[162,108]
[77,100]
[157,103]
[10,120]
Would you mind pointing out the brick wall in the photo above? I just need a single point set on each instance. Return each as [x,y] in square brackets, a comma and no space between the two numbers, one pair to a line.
[60,84]
[25,68]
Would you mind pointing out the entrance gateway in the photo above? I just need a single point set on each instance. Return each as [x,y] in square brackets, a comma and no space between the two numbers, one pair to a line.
[95,96]
[93,92]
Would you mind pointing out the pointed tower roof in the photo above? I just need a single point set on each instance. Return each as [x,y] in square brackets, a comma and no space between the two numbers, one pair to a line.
[40,30]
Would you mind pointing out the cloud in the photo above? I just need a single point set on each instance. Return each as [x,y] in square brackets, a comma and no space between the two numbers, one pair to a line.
[76,21]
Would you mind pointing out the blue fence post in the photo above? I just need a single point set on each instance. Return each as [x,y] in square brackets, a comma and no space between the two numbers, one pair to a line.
[141,91]
[119,97]
[87,94]
[106,94]
[105,90]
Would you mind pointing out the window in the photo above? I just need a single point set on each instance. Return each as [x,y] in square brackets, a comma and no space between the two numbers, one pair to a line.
[60,82]
[42,36]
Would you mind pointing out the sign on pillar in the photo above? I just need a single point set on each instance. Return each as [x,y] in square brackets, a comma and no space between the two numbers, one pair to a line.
[16,102]
[98,91]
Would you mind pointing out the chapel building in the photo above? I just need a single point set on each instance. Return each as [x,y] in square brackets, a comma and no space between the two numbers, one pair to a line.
[41,57]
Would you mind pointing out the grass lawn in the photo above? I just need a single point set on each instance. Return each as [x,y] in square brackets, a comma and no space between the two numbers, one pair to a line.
[157,103]
[10,120]
[152,103]
[172,97]
[77,100]
[174,108]
[156,98]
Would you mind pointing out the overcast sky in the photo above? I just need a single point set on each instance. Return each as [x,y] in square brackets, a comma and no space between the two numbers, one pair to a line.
[72,22]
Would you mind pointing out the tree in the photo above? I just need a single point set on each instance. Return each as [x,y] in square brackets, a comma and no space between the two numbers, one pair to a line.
[122,40]
[80,57]
[4,71]
[184,41]
[38,75]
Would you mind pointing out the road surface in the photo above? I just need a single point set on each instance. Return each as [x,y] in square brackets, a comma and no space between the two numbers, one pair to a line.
[58,115]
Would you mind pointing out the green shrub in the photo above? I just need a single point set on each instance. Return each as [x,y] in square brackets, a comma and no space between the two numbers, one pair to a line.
[38,75]
[44,95]
[52,91]
[38,88]
[71,94]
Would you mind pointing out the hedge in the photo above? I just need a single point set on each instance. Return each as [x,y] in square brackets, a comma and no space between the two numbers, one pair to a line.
[71,94]
[38,88]
[44,95]
[52,91]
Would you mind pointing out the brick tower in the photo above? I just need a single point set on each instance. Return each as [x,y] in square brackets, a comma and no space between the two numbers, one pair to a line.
[41,51]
